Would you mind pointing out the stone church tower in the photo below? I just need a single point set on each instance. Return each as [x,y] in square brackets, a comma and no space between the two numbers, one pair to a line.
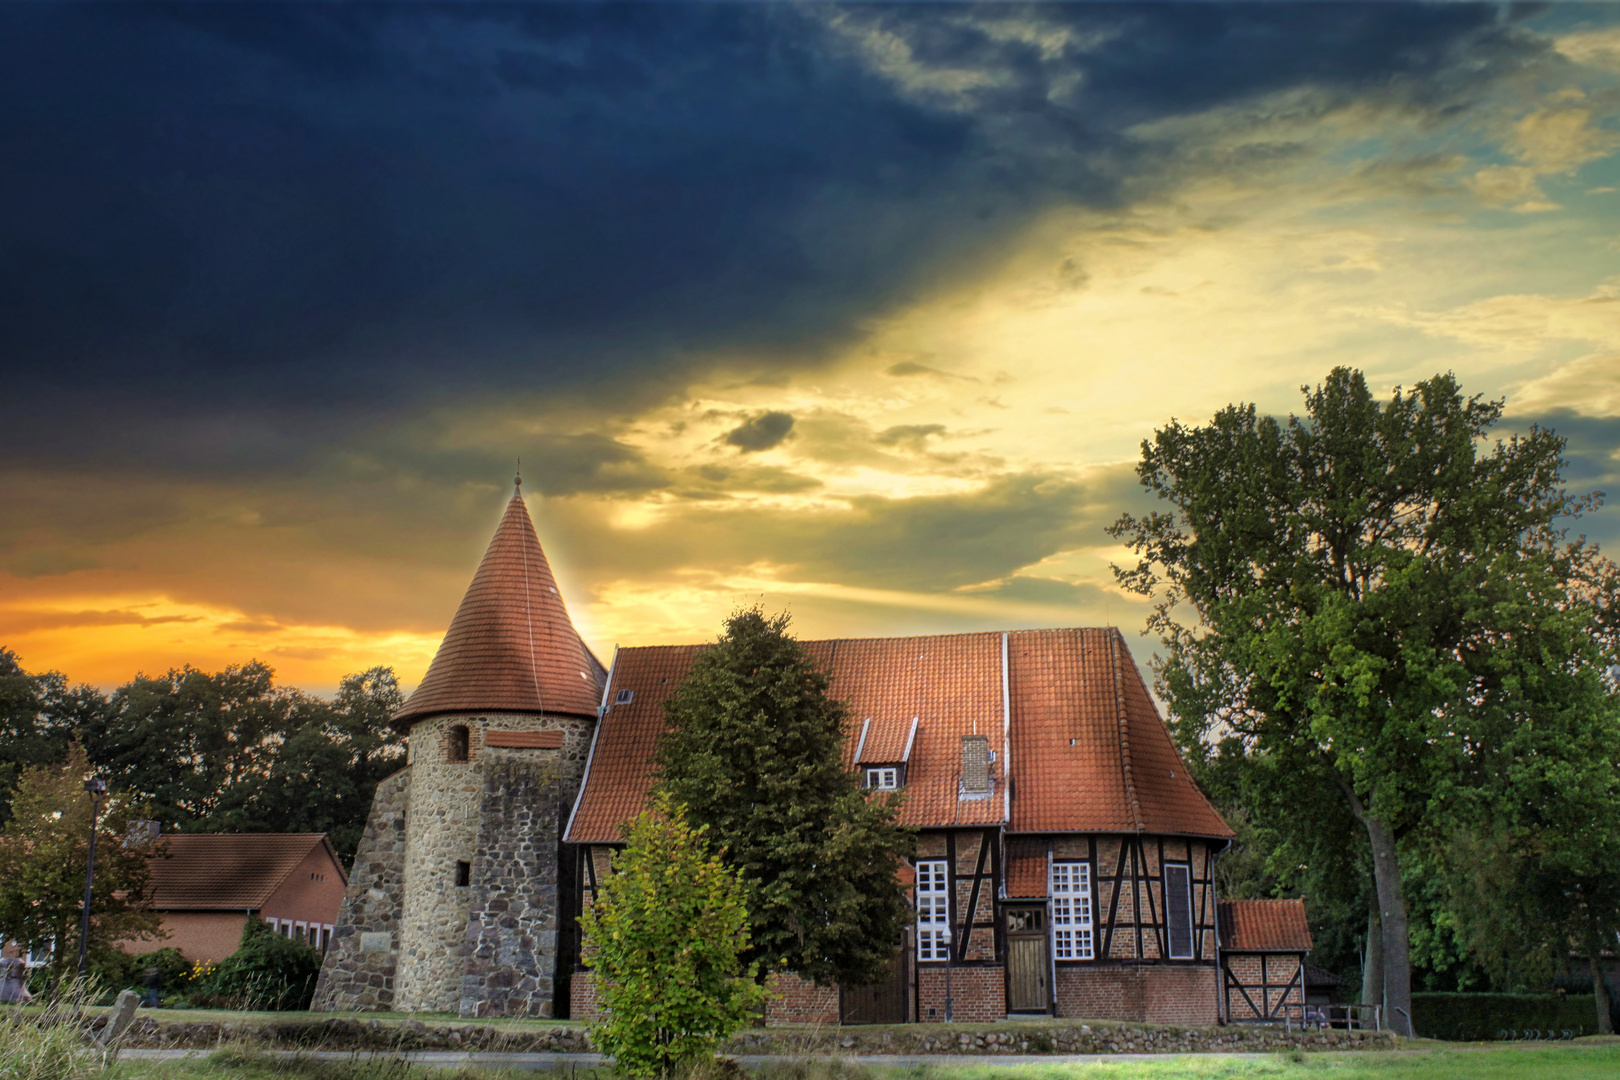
[455,902]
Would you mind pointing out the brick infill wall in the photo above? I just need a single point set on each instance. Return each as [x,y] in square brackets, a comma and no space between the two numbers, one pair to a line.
[978,994]
[1148,993]
[799,1001]
[975,1039]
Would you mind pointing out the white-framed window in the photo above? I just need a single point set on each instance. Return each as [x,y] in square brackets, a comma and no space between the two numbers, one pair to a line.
[1178,910]
[883,778]
[624,697]
[1071,911]
[933,911]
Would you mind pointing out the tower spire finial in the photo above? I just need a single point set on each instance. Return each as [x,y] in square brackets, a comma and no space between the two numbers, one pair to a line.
[518,479]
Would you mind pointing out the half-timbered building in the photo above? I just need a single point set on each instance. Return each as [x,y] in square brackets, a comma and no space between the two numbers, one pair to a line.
[1064,856]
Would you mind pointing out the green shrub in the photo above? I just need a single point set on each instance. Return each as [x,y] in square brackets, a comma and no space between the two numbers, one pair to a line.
[665,941]
[267,971]
[114,970]
[1480,1017]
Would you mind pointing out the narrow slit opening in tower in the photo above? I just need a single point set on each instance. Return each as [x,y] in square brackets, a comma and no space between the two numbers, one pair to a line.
[457,744]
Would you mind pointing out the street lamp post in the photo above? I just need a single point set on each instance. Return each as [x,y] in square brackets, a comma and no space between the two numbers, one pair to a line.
[96,788]
[949,951]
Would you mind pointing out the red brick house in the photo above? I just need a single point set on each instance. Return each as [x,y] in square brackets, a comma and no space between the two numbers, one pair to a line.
[211,883]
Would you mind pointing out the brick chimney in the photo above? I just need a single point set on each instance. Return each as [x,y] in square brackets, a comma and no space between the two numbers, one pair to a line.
[975,765]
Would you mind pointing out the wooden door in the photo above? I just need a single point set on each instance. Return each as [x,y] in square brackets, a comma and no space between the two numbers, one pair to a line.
[1027,964]
[883,1002]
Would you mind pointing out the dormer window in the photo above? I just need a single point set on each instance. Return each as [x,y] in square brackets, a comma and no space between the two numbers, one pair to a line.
[624,697]
[883,778]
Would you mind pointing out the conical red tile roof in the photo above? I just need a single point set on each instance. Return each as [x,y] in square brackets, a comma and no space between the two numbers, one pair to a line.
[511,646]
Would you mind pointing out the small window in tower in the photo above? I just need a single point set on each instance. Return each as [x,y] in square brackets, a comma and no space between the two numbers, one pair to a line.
[456,743]
[624,697]
[463,873]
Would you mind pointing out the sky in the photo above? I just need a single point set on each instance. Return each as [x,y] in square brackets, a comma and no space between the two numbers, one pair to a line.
[858,311]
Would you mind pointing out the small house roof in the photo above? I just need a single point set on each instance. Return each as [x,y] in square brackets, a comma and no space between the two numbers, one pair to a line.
[1264,926]
[511,646]
[229,871]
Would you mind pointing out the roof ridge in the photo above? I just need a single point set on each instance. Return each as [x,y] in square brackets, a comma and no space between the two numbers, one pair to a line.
[1124,728]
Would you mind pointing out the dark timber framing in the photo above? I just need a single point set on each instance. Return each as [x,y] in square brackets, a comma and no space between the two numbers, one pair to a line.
[1135,876]
[1265,1010]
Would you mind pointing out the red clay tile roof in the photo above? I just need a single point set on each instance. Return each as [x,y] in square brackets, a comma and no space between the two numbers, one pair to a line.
[228,871]
[511,646]
[1089,752]
[887,740]
[1026,868]
[619,775]
[952,684]
[1264,926]
[1120,774]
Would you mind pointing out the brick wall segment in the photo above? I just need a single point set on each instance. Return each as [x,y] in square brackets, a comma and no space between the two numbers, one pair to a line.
[978,993]
[796,1000]
[312,892]
[1148,993]
[201,936]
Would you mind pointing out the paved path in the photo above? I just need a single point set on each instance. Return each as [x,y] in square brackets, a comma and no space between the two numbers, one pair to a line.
[447,1059]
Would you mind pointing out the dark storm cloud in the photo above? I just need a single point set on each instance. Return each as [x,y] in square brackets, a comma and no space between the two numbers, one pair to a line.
[761,432]
[225,210]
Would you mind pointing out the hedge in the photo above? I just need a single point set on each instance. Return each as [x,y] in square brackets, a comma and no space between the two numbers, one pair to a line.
[1482,1017]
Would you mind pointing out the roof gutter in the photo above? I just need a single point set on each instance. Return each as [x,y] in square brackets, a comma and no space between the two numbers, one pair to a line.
[590,757]
[1006,737]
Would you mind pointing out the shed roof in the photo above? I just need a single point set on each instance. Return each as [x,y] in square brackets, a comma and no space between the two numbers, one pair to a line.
[511,646]
[229,871]
[1087,753]
[1264,926]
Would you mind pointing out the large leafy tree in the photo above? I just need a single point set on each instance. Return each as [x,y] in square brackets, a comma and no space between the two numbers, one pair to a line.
[231,751]
[44,851]
[193,745]
[1377,598]
[754,750]
[665,942]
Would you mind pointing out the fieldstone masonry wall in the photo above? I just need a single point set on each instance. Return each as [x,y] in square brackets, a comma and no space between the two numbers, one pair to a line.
[511,930]
[441,829]
[409,936]
[359,969]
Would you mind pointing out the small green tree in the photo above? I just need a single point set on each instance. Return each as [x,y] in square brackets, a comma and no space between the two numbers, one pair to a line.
[665,941]
[754,751]
[44,849]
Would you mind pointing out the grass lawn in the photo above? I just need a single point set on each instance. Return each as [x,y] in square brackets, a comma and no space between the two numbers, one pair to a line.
[1580,1061]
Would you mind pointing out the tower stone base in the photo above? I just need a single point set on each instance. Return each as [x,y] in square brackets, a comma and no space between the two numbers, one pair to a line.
[362,959]
[455,905]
